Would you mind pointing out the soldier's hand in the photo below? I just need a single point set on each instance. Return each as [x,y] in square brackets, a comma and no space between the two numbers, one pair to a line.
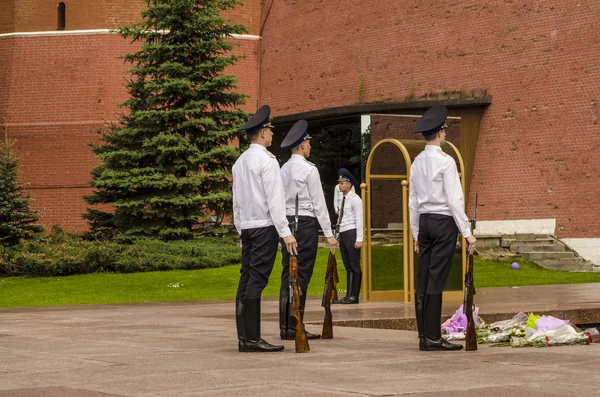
[332,244]
[417,247]
[240,243]
[471,244]
[291,244]
[357,245]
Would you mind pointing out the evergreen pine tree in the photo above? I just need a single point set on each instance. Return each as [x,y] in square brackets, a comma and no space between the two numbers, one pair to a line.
[17,220]
[165,166]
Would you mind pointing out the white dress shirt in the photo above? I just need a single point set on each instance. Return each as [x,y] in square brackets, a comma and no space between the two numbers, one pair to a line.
[258,198]
[352,217]
[301,177]
[337,197]
[435,189]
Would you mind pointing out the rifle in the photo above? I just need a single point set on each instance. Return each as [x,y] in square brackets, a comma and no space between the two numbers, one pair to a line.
[331,280]
[329,295]
[301,340]
[471,337]
[336,233]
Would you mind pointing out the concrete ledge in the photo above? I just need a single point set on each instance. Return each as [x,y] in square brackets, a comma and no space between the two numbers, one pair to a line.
[576,316]
[488,241]
[587,248]
[528,226]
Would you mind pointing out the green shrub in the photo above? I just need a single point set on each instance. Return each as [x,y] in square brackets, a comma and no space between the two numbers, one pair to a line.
[63,254]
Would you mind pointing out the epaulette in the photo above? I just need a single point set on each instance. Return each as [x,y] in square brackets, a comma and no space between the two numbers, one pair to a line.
[270,154]
[313,164]
[443,153]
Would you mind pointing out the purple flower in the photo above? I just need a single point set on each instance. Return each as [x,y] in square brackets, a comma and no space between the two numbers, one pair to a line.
[458,321]
[549,323]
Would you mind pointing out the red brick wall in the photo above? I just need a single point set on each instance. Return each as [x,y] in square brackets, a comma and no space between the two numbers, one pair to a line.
[539,60]
[249,14]
[42,15]
[56,90]
[7,15]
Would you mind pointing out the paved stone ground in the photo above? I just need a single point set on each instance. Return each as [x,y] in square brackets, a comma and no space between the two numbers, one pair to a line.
[190,349]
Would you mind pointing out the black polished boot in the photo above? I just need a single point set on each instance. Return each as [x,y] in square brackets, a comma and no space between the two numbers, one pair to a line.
[353,296]
[347,287]
[252,341]
[433,326]
[302,306]
[239,322]
[289,332]
[419,306]
[350,282]
[287,322]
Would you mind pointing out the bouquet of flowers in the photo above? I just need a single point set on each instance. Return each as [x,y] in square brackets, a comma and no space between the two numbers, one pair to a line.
[520,331]
[455,327]
[540,331]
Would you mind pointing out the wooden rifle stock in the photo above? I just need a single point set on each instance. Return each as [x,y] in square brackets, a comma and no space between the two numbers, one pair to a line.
[329,295]
[301,340]
[471,336]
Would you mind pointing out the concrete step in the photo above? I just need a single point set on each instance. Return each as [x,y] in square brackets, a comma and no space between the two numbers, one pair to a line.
[538,256]
[523,248]
[380,236]
[507,242]
[488,241]
[540,241]
[569,265]
[521,237]
[386,242]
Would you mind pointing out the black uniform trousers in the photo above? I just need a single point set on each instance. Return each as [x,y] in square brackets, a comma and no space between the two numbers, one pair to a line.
[259,249]
[350,255]
[437,242]
[307,237]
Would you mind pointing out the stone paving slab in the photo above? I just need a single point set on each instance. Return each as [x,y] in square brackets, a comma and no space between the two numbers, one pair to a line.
[53,392]
[187,349]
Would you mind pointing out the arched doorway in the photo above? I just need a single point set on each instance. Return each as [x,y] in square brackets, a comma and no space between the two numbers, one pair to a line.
[390,161]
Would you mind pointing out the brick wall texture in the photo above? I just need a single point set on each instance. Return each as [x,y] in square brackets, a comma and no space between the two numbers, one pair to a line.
[55,91]
[537,154]
[539,61]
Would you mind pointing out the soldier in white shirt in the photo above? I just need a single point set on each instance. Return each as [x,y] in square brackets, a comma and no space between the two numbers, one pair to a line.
[436,205]
[350,220]
[301,178]
[259,217]
[338,195]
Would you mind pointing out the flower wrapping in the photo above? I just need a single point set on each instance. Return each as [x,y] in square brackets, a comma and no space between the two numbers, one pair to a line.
[458,322]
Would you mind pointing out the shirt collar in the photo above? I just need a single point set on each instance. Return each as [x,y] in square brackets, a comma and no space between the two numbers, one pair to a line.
[298,157]
[256,146]
[432,147]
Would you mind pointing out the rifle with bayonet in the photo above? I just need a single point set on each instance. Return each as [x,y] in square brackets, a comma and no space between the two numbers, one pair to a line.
[329,295]
[471,337]
[301,340]
[331,280]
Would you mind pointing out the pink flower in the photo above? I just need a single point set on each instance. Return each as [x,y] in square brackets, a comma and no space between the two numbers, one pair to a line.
[458,321]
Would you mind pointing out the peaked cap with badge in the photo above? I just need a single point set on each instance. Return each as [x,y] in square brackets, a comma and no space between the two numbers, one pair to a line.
[297,134]
[432,121]
[345,176]
[259,120]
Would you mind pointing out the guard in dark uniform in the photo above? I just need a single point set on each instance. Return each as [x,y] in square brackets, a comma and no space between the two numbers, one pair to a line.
[350,219]
[301,178]
[259,217]
[437,214]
